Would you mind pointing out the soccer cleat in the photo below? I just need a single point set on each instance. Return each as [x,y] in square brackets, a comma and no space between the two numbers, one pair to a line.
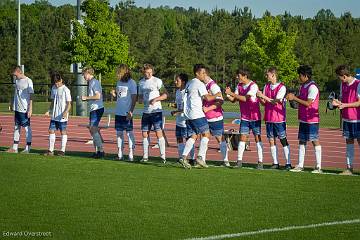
[184,163]
[297,169]
[144,160]
[117,158]
[275,166]
[288,167]
[99,155]
[25,151]
[260,166]
[130,159]
[317,170]
[200,162]
[347,172]
[226,164]
[11,150]
[61,153]
[49,153]
[238,164]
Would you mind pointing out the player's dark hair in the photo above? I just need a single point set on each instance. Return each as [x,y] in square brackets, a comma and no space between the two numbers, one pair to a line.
[183,77]
[305,70]
[343,70]
[198,67]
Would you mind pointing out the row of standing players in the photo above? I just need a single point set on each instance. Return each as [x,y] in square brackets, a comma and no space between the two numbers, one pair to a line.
[198,113]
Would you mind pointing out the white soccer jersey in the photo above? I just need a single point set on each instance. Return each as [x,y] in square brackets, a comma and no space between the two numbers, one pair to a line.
[124,91]
[194,91]
[94,87]
[150,89]
[60,96]
[23,89]
[180,117]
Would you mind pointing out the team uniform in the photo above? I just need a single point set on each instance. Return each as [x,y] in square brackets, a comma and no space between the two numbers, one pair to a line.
[124,92]
[350,93]
[152,116]
[309,121]
[196,121]
[215,118]
[275,119]
[23,90]
[60,97]
[96,111]
[250,117]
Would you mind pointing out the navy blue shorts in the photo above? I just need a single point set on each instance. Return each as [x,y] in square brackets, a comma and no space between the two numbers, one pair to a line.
[95,117]
[246,126]
[151,121]
[21,119]
[308,132]
[216,128]
[197,126]
[122,123]
[351,130]
[57,125]
[274,130]
[181,132]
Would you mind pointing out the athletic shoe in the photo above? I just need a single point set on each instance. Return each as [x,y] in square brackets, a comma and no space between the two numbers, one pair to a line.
[275,166]
[226,164]
[163,160]
[11,150]
[201,162]
[144,160]
[238,164]
[317,170]
[49,153]
[25,151]
[100,155]
[297,169]
[347,172]
[130,159]
[184,163]
[288,167]
[260,166]
[61,153]
[117,158]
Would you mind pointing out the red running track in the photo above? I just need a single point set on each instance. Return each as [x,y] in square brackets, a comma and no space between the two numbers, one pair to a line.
[333,146]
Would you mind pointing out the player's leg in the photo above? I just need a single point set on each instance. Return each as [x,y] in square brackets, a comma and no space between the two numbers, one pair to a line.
[64,137]
[145,131]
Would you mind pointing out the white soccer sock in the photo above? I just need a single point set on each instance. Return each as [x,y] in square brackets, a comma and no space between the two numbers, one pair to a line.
[241,149]
[302,150]
[131,139]
[273,150]
[161,142]
[146,147]
[349,155]
[192,152]
[203,147]
[98,141]
[28,134]
[181,147]
[287,154]
[259,147]
[188,146]
[63,142]
[16,137]
[120,143]
[224,151]
[318,156]
[52,139]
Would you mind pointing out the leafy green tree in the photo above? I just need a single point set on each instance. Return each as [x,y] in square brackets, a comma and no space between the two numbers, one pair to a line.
[98,42]
[269,45]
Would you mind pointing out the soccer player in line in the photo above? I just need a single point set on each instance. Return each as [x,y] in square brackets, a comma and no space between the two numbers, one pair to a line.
[181,130]
[308,115]
[214,115]
[59,110]
[22,106]
[273,99]
[126,95]
[245,93]
[195,92]
[95,99]
[151,93]
[349,104]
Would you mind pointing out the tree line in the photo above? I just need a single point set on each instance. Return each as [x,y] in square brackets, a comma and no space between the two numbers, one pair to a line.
[174,39]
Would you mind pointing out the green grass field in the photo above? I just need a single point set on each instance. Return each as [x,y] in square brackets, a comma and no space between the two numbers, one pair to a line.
[81,198]
[327,120]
